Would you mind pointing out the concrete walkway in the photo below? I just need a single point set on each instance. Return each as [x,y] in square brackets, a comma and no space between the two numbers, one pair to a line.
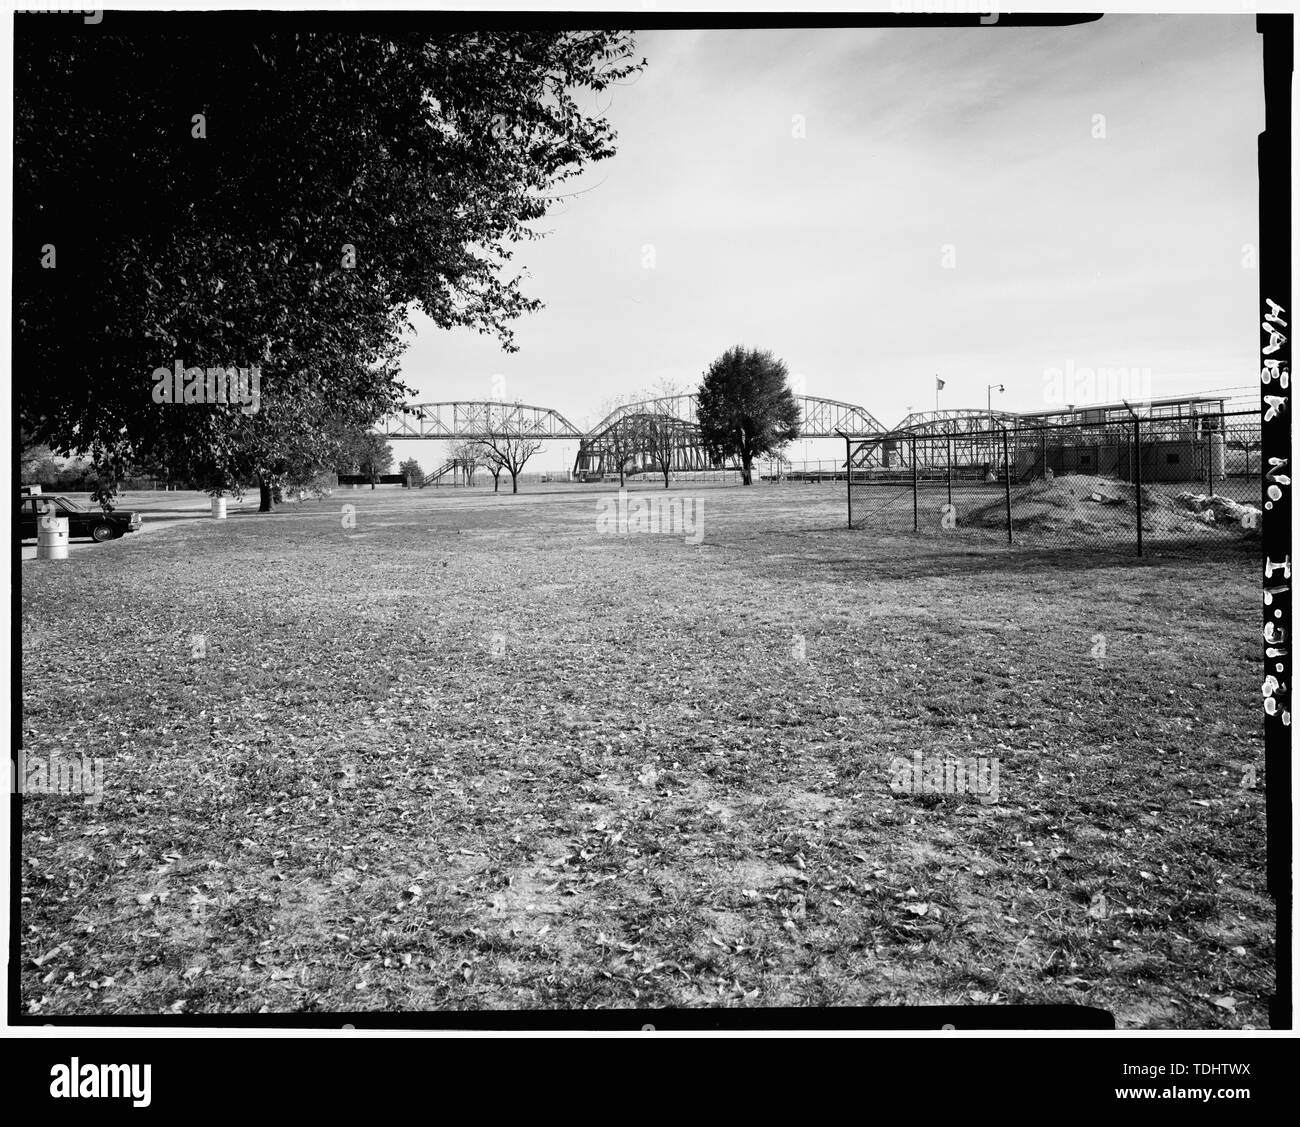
[157,510]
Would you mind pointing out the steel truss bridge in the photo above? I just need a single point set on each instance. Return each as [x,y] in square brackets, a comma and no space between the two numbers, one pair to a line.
[627,432]
[476,419]
[974,434]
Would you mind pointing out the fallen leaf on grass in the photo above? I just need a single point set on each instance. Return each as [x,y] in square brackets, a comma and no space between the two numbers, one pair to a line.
[50,954]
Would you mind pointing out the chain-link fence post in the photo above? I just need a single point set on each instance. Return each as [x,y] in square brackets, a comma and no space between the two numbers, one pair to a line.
[1137,477]
[848,474]
[1209,456]
[1006,469]
[916,510]
[948,440]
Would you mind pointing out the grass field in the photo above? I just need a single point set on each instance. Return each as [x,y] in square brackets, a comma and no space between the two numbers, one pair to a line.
[464,751]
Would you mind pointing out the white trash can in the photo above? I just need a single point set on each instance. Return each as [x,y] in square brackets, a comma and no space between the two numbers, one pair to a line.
[218,508]
[52,538]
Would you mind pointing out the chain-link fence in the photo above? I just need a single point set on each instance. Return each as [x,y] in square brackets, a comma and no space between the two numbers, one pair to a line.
[1138,485]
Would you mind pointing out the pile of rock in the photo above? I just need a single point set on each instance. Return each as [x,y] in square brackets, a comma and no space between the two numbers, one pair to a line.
[1212,509]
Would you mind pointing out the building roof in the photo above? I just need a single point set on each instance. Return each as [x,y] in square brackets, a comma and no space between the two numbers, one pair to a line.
[1140,406]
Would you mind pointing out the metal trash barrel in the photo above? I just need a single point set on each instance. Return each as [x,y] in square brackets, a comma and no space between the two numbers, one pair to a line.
[218,508]
[52,538]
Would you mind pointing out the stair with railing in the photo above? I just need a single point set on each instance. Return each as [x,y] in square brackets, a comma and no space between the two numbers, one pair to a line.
[447,466]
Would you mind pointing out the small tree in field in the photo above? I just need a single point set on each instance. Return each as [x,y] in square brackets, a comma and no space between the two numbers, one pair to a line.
[509,452]
[625,439]
[745,407]
[467,457]
[410,469]
[663,432]
[663,437]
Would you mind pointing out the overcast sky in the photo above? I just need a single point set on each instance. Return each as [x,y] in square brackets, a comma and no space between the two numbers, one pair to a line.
[952,208]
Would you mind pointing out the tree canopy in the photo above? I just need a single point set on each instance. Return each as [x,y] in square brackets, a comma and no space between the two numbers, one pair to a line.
[745,407]
[277,201]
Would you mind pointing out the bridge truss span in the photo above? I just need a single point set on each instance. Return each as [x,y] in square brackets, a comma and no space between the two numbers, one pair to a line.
[622,433]
[476,419]
[639,435]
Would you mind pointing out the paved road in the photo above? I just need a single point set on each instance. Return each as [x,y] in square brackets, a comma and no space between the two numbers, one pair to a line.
[161,512]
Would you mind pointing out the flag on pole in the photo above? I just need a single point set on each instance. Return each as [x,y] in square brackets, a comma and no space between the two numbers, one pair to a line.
[938,384]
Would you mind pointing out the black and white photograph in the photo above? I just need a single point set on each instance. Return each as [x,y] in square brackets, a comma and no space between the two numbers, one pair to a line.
[593,520]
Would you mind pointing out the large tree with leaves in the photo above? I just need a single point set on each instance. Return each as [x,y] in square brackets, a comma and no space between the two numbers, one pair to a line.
[365,452]
[287,212]
[745,407]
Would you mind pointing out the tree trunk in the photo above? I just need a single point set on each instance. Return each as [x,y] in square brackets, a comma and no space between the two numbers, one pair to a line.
[665,477]
[746,465]
[620,477]
[514,482]
[496,483]
[265,498]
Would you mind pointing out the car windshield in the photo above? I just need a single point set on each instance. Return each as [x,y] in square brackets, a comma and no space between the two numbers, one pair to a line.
[75,506]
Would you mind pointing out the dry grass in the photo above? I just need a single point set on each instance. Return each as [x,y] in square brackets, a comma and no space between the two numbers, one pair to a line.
[470,754]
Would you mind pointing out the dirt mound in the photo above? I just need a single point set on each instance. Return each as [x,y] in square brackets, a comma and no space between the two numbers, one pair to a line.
[1085,503]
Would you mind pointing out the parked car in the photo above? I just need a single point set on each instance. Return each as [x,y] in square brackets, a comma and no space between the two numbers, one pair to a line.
[95,523]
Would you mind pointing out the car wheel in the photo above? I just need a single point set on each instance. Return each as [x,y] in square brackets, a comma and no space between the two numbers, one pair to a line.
[102,532]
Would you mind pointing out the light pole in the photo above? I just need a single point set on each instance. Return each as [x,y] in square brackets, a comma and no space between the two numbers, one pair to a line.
[990,391]
[993,439]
